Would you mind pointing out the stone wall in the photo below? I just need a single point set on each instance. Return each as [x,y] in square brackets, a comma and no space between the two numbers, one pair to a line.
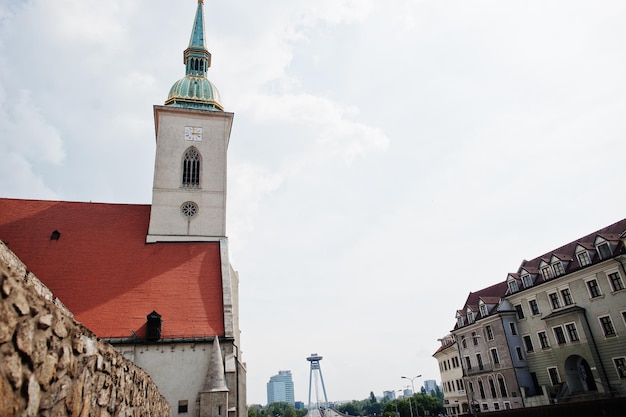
[51,365]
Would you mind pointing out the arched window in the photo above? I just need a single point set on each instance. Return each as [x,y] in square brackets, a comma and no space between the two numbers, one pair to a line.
[502,385]
[191,168]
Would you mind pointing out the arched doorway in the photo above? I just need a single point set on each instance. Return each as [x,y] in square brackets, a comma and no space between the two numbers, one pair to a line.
[578,375]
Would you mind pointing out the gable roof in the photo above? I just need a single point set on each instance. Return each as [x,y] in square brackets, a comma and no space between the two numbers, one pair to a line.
[567,252]
[103,271]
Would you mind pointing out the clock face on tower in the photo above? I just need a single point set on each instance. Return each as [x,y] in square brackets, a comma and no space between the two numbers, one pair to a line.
[193,133]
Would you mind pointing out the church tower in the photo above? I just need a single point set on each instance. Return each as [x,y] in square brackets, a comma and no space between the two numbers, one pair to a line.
[192,134]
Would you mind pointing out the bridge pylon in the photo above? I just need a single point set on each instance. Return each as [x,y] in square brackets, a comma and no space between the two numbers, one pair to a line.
[315,359]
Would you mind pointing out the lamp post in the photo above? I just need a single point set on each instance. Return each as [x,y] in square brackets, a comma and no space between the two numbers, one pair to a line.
[413,388]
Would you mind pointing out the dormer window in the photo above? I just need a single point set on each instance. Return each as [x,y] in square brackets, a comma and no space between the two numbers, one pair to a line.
[583,258]
[470,316]
[513,286]
[558,268]
[604,250]
[546,271]
[527,281]
[459,321]
[483,310]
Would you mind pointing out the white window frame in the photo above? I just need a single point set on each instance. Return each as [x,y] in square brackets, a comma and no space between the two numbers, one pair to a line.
[621,280]
[547,272]
[586,258]
[531,308]
[568,333]
[564,299]
[484,312]
[513,287]
[558,268]
[470,316]
[555,333]
[558,376]
[621,373]
[614,334]
[547,339]
[532,345]
[527,281]
[495,358]
[591,296]
[489,332]
[555,302]
[603,243]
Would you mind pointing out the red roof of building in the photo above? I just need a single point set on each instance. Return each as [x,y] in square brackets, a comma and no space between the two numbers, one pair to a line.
[103,271]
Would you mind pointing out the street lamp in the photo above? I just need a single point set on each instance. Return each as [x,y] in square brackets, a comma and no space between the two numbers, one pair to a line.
[412,379]
[413,387]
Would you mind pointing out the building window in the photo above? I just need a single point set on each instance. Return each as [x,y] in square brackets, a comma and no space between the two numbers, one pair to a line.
[513,286]
[489,332]
[520,355]
[513,329]
[607,326]
[496,406]
[620,366]
[463,342]
[616,281]
[507,405]
[479,360]
[554,376]
[494,356]
[572,332]
[529,344]
[481,388]
[604,250]
[559,335]
[485,407]
[534,307]
[543,340]
[459,321]
[470,317]
[567,297]
[583,258]
[191,168]
[546,272]
[502,385]
[468,362]
[558,268]
[527,281]
[554,300]
[475,338]
[594,289]
[520,312]
[183,406]
[483,310]
[492,388]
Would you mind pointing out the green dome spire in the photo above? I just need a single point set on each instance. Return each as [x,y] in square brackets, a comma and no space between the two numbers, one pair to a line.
[194,90]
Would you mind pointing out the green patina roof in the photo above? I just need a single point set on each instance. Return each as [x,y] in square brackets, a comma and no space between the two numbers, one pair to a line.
[194,90]
[196,93]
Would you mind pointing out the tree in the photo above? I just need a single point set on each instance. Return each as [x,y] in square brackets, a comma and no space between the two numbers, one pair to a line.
[353,408]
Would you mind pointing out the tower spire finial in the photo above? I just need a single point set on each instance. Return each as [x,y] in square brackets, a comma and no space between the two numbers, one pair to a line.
[195,90]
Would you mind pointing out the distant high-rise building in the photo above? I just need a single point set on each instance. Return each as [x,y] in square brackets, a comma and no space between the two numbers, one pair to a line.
[430,385]
[280,388]
[390,395]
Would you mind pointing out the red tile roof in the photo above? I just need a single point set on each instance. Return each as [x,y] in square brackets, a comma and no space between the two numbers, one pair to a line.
[104,272]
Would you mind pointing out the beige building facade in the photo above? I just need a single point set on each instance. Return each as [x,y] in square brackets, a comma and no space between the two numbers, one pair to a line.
[571,312]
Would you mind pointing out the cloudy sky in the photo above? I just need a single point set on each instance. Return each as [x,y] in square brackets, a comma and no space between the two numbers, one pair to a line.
[387,158]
